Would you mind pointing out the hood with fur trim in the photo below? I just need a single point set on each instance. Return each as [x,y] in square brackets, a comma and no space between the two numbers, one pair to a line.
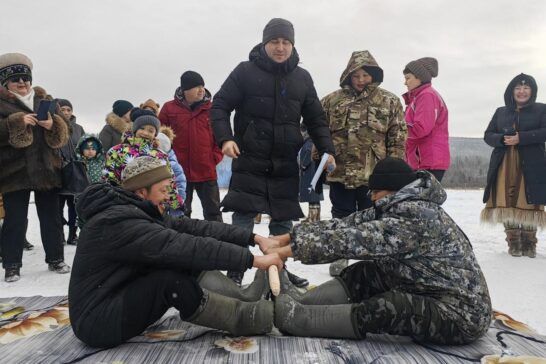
[117,123]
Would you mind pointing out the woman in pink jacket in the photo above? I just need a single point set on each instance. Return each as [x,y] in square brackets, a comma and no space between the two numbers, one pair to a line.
[427,146]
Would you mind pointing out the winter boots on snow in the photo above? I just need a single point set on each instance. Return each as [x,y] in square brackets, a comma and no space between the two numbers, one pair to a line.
[12,275]
[237,317]
[521,242]
[314,213]
[72,235]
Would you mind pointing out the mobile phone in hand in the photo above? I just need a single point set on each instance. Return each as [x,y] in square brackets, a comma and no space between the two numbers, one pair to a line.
[43,109]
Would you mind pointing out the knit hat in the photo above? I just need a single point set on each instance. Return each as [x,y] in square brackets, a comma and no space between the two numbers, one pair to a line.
[150,104]
[143,172]
[121,107]
[391,174]
[65,102]
[191,79]
[13,65]
[164,142]
[278,28]
[146,120]
[90,144]
[137,111]
[423,68]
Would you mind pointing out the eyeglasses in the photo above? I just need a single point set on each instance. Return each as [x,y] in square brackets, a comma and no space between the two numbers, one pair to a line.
[16,79]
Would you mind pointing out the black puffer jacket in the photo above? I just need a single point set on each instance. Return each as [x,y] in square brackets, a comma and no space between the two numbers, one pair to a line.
[530,122]
[124,237]
[269,99]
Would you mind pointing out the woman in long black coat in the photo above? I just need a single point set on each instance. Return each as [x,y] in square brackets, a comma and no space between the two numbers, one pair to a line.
[516,180]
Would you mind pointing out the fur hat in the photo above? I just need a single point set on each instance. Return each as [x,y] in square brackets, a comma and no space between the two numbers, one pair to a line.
[143,172]
[278,28]
[164,142]
[391,174]
[13,65]
[191,79]
[168,131]
[150,104]
[146,120]
[121,107]
[64,102]
[423,68]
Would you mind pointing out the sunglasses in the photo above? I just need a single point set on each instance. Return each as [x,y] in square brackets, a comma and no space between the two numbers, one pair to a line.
[16,79]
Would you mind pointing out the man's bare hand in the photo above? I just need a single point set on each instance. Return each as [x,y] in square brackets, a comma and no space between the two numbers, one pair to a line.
[511,139]
[46,124]
[263,262]
[284,252]
[266,244]
[283,239]
[230,148]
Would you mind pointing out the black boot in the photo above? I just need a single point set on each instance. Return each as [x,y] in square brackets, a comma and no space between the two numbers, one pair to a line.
[60,267]
[12,275]
[72,236]
[236,277]
[297,281]
[27,246]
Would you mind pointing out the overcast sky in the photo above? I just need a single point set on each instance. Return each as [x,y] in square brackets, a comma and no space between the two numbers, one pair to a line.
[95,52]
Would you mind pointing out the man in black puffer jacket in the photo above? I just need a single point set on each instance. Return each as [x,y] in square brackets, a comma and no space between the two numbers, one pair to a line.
[132,263]
[270,94]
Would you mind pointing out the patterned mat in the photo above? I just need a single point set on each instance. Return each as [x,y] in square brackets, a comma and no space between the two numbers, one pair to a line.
[37,330]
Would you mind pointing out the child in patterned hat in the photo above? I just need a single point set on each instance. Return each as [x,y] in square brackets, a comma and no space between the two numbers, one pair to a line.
[89,150]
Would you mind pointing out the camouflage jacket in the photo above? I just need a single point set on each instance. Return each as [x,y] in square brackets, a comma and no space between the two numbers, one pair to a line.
[366,127]
[419,247]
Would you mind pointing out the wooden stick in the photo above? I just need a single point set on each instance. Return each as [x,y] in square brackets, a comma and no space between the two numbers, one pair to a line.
[274,281]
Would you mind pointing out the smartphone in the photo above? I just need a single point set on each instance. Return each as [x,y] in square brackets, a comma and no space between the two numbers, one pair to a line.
[43,109]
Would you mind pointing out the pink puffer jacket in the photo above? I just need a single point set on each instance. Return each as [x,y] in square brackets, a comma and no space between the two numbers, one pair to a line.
[427,146]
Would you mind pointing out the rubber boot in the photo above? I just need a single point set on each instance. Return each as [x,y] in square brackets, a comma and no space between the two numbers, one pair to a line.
[329,293]
[234,316]
[337,266]
[72,235]
[216,282]
[236,277]
[314,214]
[296,280]
[332,321]
[513,238]
[529,243]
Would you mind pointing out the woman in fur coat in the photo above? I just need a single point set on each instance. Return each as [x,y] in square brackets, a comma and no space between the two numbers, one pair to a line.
[30,161]
[516,180]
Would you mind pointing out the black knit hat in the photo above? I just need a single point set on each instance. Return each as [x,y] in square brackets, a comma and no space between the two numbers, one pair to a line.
[65,102]
[278,28]
[391,174]
[191,79]
[121,107]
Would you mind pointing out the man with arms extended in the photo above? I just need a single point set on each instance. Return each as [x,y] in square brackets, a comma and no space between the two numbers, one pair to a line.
[270,94]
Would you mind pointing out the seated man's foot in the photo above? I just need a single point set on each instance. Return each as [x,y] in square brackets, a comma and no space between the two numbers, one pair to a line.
[60,267]
[12,275]
[337,266]
[28,246]
[297,281]
[236,277]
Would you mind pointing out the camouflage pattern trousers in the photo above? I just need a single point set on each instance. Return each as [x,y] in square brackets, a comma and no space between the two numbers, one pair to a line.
[378,309]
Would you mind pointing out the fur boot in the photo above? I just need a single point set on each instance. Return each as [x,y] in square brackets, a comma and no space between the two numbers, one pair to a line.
[529,243]
[513,238]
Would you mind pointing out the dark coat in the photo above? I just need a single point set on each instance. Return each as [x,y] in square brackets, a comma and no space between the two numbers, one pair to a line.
[124,237]
[530,122]
[76,132]
[112,133]
[194,143]
[269,100]
[29,155]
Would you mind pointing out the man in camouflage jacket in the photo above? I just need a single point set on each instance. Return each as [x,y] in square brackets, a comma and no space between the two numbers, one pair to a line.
[418,275]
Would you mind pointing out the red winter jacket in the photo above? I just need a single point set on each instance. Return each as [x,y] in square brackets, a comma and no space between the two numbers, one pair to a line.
[194,143]
[427,146]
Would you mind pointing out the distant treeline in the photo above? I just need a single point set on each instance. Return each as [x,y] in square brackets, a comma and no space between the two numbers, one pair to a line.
[469,163]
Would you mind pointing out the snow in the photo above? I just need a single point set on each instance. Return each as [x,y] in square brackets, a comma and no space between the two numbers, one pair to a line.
[517,285]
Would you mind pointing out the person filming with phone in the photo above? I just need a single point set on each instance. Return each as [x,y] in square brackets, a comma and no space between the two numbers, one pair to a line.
[31,132]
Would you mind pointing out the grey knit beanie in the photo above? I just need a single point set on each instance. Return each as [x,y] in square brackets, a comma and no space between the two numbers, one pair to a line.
[146,120]
[143,172]
[278,28]
[423,68]
[13,65]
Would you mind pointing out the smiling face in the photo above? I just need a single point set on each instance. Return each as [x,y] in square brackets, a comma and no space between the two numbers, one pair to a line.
[279,49]
[146,132]
[360,79]
[411,81]
[522,94]
[19,85]
[158,193]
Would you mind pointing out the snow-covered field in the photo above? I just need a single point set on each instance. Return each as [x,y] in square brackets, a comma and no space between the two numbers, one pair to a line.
[517,285]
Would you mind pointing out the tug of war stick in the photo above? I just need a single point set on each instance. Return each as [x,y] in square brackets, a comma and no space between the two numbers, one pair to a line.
[274,282]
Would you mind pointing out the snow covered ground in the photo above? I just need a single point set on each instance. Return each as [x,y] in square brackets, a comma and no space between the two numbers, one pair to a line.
[517,285]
